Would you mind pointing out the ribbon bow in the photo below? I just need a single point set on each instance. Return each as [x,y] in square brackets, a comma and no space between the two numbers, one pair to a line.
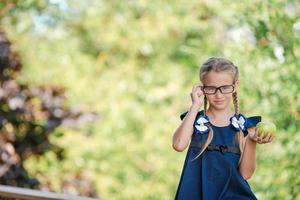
[239,123]
[201,128]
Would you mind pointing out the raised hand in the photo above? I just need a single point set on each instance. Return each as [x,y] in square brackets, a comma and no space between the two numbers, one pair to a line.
[197,95]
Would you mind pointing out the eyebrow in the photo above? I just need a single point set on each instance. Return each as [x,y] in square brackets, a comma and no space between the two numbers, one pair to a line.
[218,86]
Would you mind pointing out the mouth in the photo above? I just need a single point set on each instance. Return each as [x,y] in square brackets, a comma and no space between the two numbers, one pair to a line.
[218,102]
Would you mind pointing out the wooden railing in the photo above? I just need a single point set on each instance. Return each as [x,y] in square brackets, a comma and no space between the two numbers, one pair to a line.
[29,194]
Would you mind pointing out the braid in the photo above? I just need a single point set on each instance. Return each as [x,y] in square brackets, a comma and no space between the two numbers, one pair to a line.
[207,142]
[210,133]
[235,103]
[205,105]
[240,136]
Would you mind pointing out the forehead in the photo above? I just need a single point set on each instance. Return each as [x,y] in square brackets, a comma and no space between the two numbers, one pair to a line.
[218,78]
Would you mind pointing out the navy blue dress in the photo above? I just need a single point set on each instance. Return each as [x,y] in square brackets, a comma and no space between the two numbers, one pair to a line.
[214,175]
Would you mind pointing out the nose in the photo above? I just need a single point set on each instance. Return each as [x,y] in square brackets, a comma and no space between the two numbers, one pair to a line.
[218,93]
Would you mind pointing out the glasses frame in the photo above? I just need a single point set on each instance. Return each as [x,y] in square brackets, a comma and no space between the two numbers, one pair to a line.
[218,88]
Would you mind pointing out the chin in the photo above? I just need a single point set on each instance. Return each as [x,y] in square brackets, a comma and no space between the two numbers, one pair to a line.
[220,106]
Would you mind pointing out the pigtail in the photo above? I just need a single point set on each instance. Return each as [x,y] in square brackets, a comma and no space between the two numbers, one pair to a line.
[240,136]
[210,133]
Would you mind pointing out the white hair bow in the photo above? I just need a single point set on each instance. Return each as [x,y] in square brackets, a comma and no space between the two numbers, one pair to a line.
[239,123]
[201,128]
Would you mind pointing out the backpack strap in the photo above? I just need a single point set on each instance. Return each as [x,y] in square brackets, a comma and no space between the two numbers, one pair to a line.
[216,147]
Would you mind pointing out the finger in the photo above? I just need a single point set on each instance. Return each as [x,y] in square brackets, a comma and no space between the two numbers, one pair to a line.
[261,141]
[194,91]
[261,136]
[258,141]
[199,88]
[192,94]
[199,92]
[272,138]
[267,138]
[257,138]
[194,88]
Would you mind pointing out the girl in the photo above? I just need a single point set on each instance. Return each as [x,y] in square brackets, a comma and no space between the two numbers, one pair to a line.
[222,154]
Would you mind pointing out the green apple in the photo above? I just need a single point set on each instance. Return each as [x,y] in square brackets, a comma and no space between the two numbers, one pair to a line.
[265,128]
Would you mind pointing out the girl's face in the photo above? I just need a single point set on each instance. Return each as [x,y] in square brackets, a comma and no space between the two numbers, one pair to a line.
[219,101]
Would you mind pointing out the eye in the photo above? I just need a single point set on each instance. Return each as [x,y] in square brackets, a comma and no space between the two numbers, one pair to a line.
[227,89]
[209,89]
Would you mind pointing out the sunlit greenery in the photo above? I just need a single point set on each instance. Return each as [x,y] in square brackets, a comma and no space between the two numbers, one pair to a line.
[135,62]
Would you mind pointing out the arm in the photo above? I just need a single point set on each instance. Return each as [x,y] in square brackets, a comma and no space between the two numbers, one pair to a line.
[248,162]
[184,132]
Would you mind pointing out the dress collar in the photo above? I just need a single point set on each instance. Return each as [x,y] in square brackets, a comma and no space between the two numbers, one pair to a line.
[238,122]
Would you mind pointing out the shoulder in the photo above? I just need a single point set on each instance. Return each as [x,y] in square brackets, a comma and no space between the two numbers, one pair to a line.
[253,120]
[243,122]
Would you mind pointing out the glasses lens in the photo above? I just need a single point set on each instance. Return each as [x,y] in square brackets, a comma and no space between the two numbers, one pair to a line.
[209,89]
[227,89]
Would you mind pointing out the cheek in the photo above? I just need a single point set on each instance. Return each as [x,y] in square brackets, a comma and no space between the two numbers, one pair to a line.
[227,97]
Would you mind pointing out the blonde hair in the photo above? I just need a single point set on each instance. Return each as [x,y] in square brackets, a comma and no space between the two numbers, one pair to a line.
[221,65]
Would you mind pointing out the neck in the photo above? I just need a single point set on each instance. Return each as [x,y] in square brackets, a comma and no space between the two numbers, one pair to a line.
[219,114]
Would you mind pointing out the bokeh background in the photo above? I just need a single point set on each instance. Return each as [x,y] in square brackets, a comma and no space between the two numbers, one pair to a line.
[93,90]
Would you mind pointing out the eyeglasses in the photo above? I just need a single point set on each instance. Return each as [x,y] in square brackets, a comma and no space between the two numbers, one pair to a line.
[224,89]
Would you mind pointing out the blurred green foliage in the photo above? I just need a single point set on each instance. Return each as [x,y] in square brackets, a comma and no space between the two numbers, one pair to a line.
[136,61]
